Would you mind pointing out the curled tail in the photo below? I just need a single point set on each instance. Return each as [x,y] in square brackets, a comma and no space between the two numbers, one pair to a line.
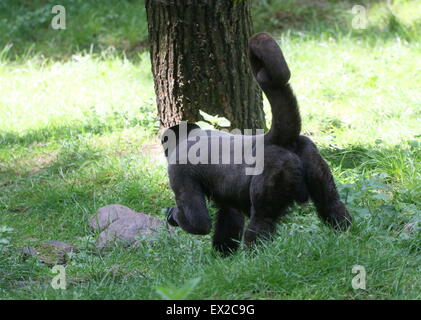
[272,73]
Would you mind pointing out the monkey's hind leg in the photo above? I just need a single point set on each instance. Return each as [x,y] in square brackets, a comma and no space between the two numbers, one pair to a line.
[321,186]
[271,194]
[228,230]
[259,228]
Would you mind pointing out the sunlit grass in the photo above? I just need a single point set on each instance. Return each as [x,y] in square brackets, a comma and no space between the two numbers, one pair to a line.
[72,92]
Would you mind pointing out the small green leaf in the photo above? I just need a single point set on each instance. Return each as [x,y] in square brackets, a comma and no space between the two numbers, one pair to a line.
[215,120]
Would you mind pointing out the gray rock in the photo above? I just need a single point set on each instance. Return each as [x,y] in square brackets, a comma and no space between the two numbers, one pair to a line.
[108,214]
[62,246]
[51,252]
[120,223]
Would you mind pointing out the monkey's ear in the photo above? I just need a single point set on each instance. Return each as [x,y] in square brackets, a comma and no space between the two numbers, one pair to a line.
[267,61]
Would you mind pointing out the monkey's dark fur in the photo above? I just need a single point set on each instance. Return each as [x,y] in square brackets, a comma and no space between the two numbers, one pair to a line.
[294,170]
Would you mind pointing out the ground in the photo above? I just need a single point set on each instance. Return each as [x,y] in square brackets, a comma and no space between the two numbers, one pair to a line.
[78,131]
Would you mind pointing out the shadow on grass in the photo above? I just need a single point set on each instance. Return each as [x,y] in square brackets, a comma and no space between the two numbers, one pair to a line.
[96,26]
[82,178]
[92,26]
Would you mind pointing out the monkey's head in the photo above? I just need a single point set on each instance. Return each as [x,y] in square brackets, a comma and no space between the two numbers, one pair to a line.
[177,132]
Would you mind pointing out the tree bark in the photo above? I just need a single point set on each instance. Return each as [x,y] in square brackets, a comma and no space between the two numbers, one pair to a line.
[199,54]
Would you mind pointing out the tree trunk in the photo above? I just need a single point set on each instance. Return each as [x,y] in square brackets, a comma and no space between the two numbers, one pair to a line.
[199,53]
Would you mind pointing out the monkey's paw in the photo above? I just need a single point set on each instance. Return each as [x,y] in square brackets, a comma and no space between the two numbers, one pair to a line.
[170,217]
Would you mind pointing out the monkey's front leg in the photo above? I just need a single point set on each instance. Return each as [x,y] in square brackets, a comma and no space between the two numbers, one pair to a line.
[228,230]
[259,228]
[190,214]
[170,216]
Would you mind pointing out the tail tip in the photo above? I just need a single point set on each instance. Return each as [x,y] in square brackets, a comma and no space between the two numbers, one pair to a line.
[267,61]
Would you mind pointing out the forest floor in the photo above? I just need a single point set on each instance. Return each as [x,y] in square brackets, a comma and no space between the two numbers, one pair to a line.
[78,129]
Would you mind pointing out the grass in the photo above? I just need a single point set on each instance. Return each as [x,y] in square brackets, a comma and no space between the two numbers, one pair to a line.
[90,25]
[78,131]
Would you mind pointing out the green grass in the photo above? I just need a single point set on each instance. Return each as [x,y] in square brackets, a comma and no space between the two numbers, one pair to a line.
[93,26]
[78,131]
